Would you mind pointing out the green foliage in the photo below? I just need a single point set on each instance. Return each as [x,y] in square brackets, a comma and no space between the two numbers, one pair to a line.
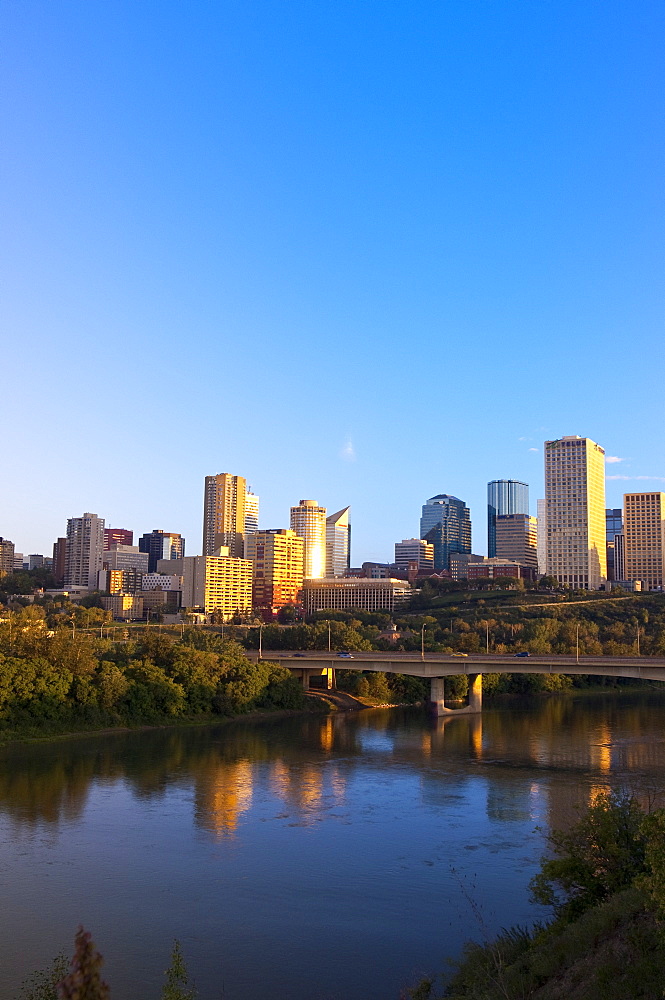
[177,985]
[653,880]
[601,854]
[42,985]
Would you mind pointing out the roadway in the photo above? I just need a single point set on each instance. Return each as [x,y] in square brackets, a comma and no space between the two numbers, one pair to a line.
[447,664]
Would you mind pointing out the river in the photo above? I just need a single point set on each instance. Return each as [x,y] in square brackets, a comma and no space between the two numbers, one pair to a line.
[334,858]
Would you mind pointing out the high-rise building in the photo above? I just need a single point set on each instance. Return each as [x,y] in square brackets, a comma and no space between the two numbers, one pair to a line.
[516,539]
[220,584]
[277,560]
[446,523]
[309,521]
[338,543]
[251,512]
[644,533]
[504,496]
[542,536]
[620,556]
[126,557]
[414,550]
[224,514]
[6,556]
[575,495]
[59,553]
[85,545]
[117,536]
[613,526]
[161,545]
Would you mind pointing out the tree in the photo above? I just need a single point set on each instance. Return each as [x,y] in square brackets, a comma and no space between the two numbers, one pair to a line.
[601,854]
[84,982]
[177,986]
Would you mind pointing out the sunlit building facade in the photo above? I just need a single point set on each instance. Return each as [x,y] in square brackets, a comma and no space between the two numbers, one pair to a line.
[6,556]
[221,584]
[414,550]
[277,560]
[251,512]
[644,538]
[575,512]
[338,543]
[516,539]
[343,595]
[308,520]
[224,514]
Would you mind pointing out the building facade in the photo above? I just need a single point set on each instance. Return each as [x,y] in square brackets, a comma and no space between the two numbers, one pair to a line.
[224,514]
[541,529]
[446,523]
[644,538]
[6,556]
[117,536]
[338,543]
[504,496]
[251,512]
[221,584]
[516,537]
[342,595]
[161,545]
[85,545]
[411,550]
[613,526]
[277,559]
[308,520]
[575,512]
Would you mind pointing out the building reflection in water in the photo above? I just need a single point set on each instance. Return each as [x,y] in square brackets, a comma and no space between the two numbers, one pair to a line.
[222,794]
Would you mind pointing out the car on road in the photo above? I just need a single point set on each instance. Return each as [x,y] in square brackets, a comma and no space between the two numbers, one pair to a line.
[459,654]
[523,653]
[346,656]
[299,654]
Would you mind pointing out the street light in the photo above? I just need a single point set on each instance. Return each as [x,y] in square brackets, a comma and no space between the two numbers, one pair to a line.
[577,645]
[260,642]
[422,641]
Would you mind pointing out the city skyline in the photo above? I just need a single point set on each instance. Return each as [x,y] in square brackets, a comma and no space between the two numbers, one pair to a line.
[340,194]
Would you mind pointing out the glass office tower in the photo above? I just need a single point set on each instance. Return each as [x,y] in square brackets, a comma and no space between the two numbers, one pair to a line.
[504,496]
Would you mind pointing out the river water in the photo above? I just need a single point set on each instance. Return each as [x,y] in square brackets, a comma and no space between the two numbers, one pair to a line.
[334,858]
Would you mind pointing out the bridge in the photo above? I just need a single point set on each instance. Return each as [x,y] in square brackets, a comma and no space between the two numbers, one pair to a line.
[437,666]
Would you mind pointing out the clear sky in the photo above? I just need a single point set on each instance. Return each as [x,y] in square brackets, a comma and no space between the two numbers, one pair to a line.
[360,252]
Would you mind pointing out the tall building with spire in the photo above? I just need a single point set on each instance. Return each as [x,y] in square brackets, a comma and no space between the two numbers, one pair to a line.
[224,514]
[309,521]
[575,512]
[446,523]
[504,496]
[338,543]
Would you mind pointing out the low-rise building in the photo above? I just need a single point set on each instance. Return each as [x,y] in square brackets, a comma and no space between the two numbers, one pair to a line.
[491,569]
[414,550]
[126,607]
[221,584]
[345,594]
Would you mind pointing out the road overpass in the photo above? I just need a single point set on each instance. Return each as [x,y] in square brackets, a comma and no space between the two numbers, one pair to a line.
[437,666]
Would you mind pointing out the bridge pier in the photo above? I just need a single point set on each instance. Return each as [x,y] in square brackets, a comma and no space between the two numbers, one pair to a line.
[475,701]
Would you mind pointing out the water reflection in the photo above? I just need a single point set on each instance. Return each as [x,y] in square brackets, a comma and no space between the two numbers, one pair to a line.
[307,763]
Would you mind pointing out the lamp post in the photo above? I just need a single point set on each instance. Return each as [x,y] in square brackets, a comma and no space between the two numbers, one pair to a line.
[577,645]
[487,637]
[422,641]
[260,642]
[638,640]
[328,636]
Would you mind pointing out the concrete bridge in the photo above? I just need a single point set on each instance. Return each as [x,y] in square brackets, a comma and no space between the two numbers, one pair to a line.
[437,666]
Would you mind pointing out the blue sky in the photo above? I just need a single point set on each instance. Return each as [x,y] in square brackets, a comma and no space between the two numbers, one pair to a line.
[358,252]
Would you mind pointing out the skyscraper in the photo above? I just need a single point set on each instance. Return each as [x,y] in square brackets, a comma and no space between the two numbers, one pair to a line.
[517,539]
[644,538]
[161,545]
[338,543]
[613,526]
[83,556]
[251,512]
[575,511]
[309,521]
[504,496]
[542,536]
[6,556]
[224,514]
[446,523]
